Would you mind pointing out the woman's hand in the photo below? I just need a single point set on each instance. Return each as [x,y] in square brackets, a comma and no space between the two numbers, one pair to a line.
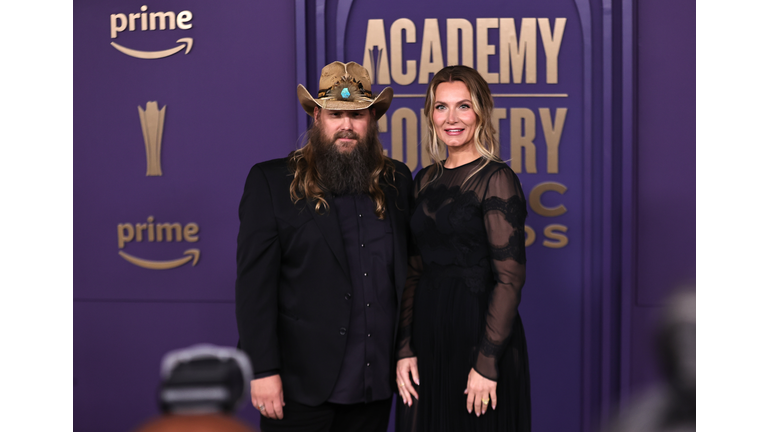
[406,368]
[480,391]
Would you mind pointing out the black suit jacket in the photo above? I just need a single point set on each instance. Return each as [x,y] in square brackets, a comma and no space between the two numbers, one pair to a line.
[293,277]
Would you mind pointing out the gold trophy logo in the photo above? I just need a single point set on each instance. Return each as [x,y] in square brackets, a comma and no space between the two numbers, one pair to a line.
[152,121]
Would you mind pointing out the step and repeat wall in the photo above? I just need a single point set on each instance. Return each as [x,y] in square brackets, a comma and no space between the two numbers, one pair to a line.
[174,101]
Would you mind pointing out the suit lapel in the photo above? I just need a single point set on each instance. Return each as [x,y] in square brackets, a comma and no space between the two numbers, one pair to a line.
[329,227]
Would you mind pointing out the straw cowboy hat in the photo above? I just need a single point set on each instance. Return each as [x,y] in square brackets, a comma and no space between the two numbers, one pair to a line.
[345,86]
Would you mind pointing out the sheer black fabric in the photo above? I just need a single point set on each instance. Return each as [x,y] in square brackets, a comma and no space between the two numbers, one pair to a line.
[459,308]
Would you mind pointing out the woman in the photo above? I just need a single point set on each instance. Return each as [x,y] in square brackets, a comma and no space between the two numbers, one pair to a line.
[462,357]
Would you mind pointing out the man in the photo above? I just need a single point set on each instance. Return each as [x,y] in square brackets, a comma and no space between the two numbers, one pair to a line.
[321,263]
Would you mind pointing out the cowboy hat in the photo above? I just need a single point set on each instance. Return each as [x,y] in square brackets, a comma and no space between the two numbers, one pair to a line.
[345,86]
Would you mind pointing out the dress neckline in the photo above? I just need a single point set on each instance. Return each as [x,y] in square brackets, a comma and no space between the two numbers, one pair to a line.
[460,166]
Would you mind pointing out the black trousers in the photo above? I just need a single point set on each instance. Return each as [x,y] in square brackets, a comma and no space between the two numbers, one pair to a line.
[331,417]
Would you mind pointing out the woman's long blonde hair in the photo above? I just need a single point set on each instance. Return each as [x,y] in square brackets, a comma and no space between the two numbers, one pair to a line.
[482,104]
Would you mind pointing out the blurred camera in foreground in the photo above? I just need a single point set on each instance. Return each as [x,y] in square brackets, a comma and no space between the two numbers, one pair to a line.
[200,389]
[669,405]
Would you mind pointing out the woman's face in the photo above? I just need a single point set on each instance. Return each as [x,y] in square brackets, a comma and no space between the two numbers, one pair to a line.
[453,116]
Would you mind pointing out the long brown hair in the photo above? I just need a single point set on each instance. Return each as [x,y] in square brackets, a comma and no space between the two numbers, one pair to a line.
[482,104]
[307,184]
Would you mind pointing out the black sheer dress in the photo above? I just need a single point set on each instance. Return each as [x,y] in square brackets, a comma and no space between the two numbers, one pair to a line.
[459,309]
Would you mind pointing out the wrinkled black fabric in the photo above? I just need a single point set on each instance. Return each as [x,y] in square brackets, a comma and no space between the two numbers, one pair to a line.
[459,308]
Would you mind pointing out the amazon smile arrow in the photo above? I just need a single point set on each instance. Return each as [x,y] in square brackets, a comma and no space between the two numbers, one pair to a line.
[192,254]
[149,55]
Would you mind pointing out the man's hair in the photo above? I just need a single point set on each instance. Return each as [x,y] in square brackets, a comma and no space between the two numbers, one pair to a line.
[482,104]
[308,184]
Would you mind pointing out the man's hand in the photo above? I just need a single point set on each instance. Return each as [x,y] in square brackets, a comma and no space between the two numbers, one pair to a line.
[407,368]
[267,396]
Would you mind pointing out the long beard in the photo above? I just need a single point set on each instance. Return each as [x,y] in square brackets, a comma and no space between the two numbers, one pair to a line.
[348,172]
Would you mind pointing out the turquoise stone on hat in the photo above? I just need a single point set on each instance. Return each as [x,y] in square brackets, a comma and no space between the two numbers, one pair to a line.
[345,93]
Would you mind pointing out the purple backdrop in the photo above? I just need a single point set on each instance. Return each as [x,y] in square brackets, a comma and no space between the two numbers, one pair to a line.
[222,103]
[231,102]
[666,166]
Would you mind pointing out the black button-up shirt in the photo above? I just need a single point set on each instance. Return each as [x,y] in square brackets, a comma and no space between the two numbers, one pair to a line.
[365,371]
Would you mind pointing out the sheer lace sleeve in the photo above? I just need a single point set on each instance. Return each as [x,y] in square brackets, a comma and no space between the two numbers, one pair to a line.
[415,269]
[504,215]
[406,308]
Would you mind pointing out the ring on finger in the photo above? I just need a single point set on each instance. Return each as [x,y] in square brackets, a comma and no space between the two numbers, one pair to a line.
[262,407]
[485,401]
[402,384]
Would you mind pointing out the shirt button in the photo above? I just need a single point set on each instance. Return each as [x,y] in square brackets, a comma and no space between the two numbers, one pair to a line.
[347,296]
[369,335]
[359,215]
[367,365]
[365,274]
[367,305]
[362,245]
[342,331]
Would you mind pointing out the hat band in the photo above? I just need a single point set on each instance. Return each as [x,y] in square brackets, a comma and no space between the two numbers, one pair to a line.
[324,93]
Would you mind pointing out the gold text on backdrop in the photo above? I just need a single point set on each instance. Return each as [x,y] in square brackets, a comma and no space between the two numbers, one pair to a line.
[516,49]
[158,232]
[151,21]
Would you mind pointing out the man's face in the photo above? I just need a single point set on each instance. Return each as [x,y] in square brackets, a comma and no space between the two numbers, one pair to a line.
[345,129]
